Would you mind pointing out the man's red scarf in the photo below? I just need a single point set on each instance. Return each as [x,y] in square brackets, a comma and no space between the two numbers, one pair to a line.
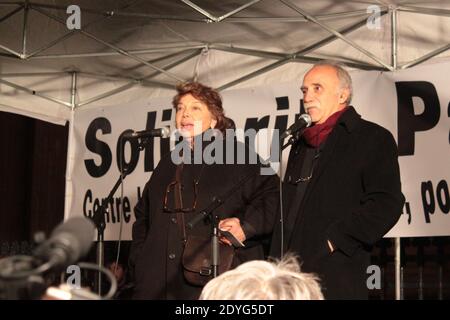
[318,133]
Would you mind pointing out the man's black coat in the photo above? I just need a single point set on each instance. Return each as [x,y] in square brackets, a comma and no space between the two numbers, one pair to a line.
[352,200]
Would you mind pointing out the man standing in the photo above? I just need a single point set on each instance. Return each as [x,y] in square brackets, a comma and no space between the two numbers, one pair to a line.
[342,188]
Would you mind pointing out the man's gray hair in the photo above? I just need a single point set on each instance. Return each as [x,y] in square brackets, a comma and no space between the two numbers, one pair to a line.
[345,81]
[263,280]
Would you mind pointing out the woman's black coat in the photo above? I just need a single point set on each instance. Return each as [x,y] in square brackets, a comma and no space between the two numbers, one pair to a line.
[157,243]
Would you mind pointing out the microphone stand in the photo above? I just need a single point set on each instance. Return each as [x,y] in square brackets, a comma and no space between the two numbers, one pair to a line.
[100,224]
[99,215]
[208,212]
[292,140]
[217,202]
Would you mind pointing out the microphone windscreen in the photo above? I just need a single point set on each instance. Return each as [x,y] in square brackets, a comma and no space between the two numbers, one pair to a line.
[69,242]
[81,229]
[307,118]
[165,132]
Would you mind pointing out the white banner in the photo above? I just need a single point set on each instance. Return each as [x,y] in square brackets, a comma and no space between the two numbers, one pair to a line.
[412,104]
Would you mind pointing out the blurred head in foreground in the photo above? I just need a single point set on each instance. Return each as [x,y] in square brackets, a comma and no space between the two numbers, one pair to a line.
[263,280]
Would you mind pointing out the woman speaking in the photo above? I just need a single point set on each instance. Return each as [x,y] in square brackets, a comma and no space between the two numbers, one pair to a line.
[171,260]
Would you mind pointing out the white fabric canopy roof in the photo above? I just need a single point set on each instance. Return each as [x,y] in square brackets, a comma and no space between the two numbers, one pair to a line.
[130,48]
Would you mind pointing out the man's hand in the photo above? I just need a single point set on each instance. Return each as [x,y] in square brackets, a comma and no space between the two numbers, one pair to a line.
[232,225]
[330,245]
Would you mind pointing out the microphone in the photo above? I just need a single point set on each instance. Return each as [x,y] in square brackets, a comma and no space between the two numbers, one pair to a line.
[69,242]
[303,121]
[162,132]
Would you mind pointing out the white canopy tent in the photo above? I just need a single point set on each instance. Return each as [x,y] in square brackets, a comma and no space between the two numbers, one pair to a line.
[129,49]
[133,48]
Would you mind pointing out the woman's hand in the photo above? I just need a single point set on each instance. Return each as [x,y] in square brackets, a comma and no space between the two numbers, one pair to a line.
[232,225]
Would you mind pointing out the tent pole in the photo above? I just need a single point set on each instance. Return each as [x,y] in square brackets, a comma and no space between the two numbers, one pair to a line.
[31,74]
[159,17]
[10,14]
[200,10]
[106,54]
[117,13]
[333,37]
[105,16]
[248,52]
[337,34]
[218,19]
[34,93]
[398,282]
[73,90]
[120,14]
[245,6]
[140,81]
[426,57]
[70,147]
[52,43]
[131,79]
[64,8]
[330,16]
[422,10]
[121,51]
[304,51]
[24,30]
[10,51]
[283,58]
[393,13]
[6,55]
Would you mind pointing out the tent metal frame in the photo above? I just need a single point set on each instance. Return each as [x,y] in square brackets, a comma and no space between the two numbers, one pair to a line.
[280,58]
[191,50]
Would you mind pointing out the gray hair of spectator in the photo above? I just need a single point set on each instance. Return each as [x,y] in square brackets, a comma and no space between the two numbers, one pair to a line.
[264,280]
[345,81]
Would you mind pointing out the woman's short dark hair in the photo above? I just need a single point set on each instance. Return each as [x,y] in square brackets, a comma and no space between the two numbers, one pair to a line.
[208,96]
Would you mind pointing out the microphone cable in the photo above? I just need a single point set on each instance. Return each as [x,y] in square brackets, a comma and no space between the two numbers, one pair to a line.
[69,292]
[281,202]
[120,213]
